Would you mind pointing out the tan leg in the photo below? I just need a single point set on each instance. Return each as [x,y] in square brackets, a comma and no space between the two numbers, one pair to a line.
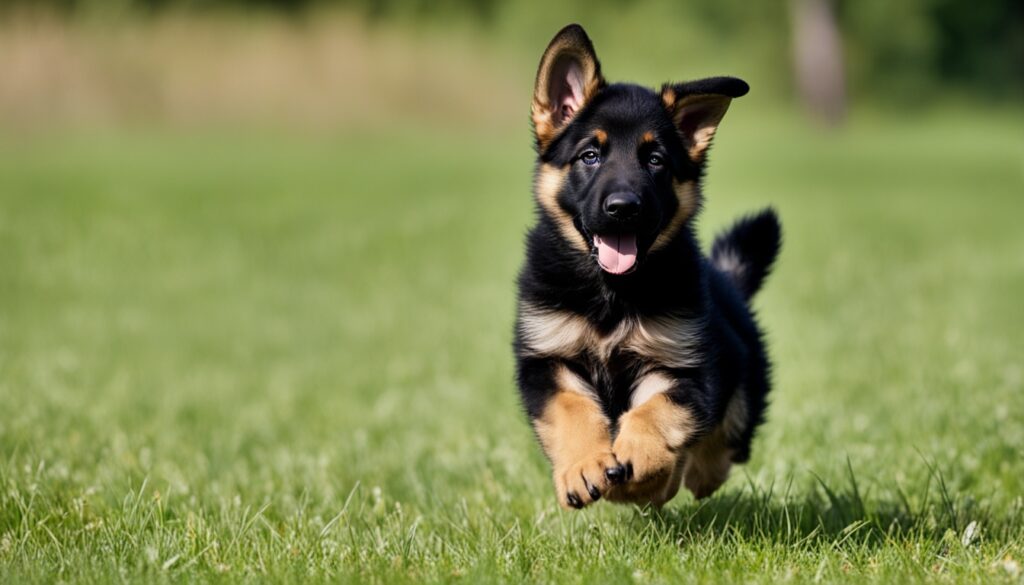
[650,442]
[672,487]
[574,434]
[707,465]
[709,461]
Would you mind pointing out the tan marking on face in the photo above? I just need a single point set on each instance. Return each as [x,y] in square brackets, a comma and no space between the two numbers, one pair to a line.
[668,341]
[602,136]
[647,138]
[574,434]
[549,182]
[688,198]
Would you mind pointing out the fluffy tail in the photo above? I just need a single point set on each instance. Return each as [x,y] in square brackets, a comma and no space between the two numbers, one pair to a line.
[746,251]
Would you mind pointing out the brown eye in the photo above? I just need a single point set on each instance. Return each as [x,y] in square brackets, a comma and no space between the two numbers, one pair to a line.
[590,157]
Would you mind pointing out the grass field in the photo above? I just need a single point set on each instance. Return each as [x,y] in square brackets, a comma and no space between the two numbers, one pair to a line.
[238,355]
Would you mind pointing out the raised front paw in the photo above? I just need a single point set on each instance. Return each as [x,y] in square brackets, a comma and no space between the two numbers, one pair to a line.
[649,445]
[645,456]
[585,481]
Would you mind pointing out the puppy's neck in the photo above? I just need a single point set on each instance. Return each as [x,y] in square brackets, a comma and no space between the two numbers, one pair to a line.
[671,280]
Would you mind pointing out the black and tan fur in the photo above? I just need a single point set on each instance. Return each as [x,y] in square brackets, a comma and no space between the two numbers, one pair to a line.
[651,374]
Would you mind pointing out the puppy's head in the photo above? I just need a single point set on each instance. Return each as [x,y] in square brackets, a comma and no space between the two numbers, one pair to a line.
[619,164]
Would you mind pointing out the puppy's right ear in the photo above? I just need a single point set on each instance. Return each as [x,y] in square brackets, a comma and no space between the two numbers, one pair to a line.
[568,77]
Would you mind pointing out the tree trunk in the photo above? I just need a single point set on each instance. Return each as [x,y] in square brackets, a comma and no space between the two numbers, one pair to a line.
[818,60]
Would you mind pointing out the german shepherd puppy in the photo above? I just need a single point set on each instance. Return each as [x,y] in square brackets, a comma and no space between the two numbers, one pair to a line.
[639,362]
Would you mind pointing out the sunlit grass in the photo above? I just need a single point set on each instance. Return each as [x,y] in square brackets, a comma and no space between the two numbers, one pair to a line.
[229,355]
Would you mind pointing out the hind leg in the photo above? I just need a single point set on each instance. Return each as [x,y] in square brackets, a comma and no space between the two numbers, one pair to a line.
[707,467]
[709,461]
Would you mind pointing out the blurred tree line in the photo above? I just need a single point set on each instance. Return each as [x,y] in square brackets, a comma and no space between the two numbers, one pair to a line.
[902,48]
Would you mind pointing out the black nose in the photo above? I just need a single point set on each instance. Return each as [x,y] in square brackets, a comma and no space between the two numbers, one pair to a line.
[622,205]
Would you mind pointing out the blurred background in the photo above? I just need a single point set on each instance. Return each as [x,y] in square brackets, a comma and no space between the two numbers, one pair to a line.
[344,63]
[262,253]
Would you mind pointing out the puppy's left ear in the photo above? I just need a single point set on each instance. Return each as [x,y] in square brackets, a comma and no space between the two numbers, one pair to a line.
[697,107]
[569,75]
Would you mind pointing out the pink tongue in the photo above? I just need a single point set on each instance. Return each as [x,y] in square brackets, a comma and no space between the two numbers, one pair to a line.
[616,253]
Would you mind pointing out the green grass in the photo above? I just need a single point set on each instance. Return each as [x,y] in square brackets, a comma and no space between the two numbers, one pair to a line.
[233,355]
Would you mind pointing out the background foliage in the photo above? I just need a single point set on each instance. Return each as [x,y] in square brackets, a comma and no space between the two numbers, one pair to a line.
[898,50]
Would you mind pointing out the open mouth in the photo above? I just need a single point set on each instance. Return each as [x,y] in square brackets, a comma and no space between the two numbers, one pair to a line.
[616,253]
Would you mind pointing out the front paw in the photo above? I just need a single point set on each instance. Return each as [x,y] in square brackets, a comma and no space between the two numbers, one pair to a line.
[645,456]
[584,482]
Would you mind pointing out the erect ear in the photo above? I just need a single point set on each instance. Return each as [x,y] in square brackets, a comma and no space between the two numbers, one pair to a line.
[568,77]
[697,107]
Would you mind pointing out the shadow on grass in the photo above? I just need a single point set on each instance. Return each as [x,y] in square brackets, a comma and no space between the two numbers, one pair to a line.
[835,515]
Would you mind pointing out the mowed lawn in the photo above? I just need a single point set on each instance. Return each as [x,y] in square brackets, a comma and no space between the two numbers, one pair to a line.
[232,355]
